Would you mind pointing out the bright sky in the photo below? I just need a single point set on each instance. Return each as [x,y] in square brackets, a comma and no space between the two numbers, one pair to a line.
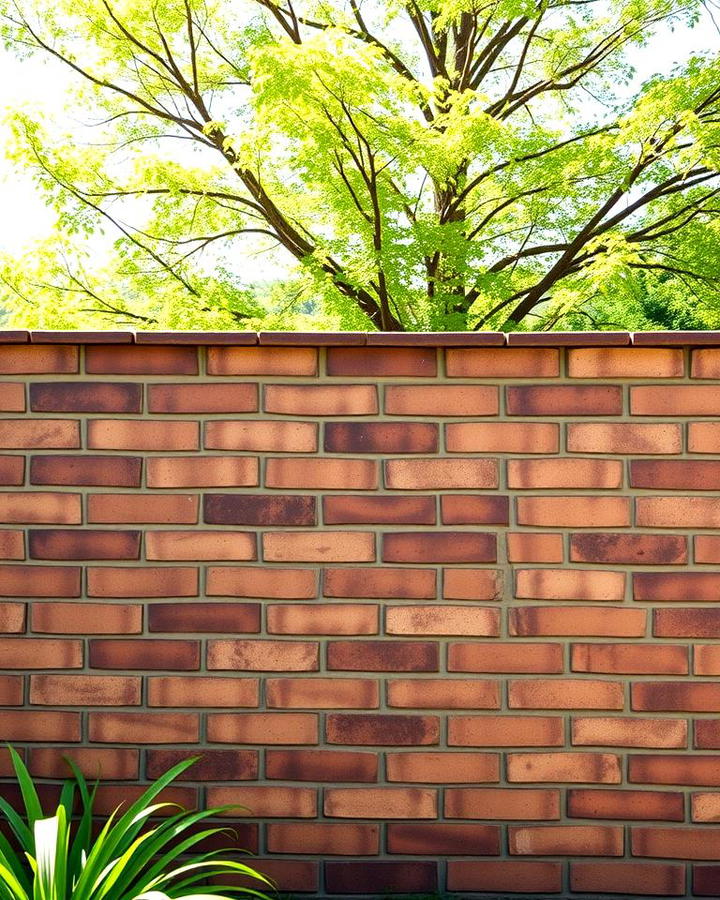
[43,85]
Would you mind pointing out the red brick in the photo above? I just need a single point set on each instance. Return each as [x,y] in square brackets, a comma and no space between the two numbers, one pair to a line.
[502,437]
[674,843]
[475,509]
[40,581]
[564,400]
[707,659]
[601,768]
[566,840]
[380,803]
[675,400]
[443,838]
[144,654]
[202,398]
[322,693]
[213,765]
[441,400]
[259,509]
[259,581]
[705,364]
[558,693]
[677,512]
[160,509]
[266,802]
[676,696]
[472,584]
[444,768]
[41,653]
[321,765]
[573,512]
[203,545]
[208,471]
[628,549]
[134,727]
[388,730]
[93,762]
[377,583]
[138,434]
[705,806]
[707,548]
[142,581]
[105,471]
[528,474]
[706,880]
[85,690]
[322,473]
[12,396]
[503,362]
[263,655]
[624,438]
[11,691]
[602,731]
[321,399]
[39,725]
[673,769]
[693,623]
[524,804]
[39,434]
[630,659]
[504,875]
[66,543]
[675,474]
[38,360]
[264,436]
[586,803]
[371,362]
[135,360]
[263,728]
[314,546]
[352,509]
[696,587]
[625,362]
[220,618]
[585,621]
[262,361]
[570,584]
[440,474]
[12,469]
[443,693]
[505,731]
[12,618]
[381,437]
[86,618]
[534,547]
[196,690]
[324,838]
[703,437]
[338,618]
[383,656]
[505,658]
[628,878]
[381,878]
[441,620]
[85,396]
[442,547]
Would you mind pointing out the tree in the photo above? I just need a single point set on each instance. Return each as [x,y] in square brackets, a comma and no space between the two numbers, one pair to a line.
[428,164]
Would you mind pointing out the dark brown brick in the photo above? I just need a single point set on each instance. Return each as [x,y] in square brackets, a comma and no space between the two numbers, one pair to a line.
[321,765]
[629,549]
[213,765]
[106,471]
[431,839]
[85,396]
[144,654]
[216,618]
[381,437]
[383,656]
[62,543]
[390,730]
[564,400]
[259,509]
[379,877]
[475,509]
[675,474]
[135,360]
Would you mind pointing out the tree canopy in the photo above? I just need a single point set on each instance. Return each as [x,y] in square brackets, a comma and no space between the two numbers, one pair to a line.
[426,164]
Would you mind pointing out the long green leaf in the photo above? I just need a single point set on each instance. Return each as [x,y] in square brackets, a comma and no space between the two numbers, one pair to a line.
[33,807]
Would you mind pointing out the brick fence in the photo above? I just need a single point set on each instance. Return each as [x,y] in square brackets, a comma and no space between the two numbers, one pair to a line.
[441,610]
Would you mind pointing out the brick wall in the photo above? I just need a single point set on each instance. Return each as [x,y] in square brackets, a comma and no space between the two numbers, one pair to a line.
[443,617]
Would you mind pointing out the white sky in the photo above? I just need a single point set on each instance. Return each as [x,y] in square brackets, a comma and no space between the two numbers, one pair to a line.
[43,85]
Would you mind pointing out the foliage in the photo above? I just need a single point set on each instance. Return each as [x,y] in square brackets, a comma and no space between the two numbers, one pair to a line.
[127,860]
[427,164]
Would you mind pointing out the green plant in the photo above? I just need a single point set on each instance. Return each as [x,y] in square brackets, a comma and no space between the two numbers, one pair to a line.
[130,859]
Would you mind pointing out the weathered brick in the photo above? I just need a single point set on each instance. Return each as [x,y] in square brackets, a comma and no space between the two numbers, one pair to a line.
[202,398]
[573,511]
[85,690]
[443,839]
[564,400]
[142,581]
[38,360]
[381,437]
[629,732]
[62,543]
[382,729]
[505,658]
[628,878]
[321,765]
[586,621]
[559,693]
[263,728]
[600,768]
[409,584]
[87,396]
[134,727]
[40,508]
[503,362]
[137,360]
[625,362]
[144,654]
[674,843]
[692,623]
[440,474]
[94,762]
[321,399]
[351,509]
[630,659]
[673,769]
[314,546]
[610,803]
[263,436]
[504,875]
[676,696]
[505,731]
[674,400]
[39,725]
[40,581]
[142,434]
[566,840]
[12,469]
[439,547]
[86,618]
[533,474]
[80,470]
[441,620]
[528,804]
[322,693]
[258,509]
[383,656]
[330,618]
[160,509]
[213,765]
[502,437]
[194,545]
[322,473]
[323,838]
[196,690]
[12,618]
[570,584]
[472,584]
[645,439]
[218,618]
[380,878]
[475,509]
[259,581]
[372,362]
[675,474]
[39,434]
[695,587]
[263,655]
[441,767]
[380,803]
[41,653]
[441,400]
[262,361]
[208,471]
[629,549]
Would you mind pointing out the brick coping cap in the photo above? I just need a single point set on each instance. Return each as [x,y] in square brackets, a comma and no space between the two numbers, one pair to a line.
[371,339]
